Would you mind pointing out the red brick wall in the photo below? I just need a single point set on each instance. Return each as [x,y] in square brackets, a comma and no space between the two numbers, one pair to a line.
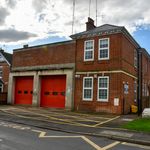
[116,90]
[127,56]
[94,105]
[121,58]
[115,53]
[45,55]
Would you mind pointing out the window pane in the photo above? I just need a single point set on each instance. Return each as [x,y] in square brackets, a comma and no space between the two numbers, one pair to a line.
[104,53]
[102,93]
[89,45]
[103,82]
[88,93]
[88,83]
[104,43]
[88,54]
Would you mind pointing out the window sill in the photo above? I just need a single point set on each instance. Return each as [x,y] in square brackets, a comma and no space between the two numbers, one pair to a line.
[85,100]
[103,101]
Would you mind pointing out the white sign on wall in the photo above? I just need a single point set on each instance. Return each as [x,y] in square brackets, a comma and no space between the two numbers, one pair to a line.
[116,101]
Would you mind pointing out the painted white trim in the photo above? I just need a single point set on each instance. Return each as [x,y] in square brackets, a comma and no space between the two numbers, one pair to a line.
[88,50]
[103,72]
[107,58]
[87,99]
[103,100]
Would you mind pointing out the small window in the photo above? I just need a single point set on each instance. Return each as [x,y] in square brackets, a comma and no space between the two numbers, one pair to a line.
[1,87]
[88,88]
[103,86]
[1,73]
[63,93]
[103,49]
[135,58]
[89,50]
[46,93]
[55,93]
[19,92]
[25,92]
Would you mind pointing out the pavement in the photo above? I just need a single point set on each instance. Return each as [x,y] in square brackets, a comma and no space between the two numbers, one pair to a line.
[99,125]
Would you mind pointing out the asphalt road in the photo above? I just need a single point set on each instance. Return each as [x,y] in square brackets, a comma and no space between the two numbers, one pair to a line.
[20,137]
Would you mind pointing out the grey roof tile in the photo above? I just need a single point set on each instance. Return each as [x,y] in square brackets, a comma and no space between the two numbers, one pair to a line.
[105,27]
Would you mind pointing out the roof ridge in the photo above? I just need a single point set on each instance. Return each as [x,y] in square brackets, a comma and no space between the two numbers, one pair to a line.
[110,25]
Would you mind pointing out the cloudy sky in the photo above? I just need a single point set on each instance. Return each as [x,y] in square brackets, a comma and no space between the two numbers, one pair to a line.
[37,22]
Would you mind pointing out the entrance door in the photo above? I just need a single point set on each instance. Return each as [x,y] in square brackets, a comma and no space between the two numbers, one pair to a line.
[53,91]
[23,90]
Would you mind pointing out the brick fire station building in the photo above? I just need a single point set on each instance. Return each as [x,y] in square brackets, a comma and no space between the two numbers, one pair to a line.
[102,69]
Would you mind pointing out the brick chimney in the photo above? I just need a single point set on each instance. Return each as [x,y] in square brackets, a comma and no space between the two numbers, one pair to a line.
[90,24]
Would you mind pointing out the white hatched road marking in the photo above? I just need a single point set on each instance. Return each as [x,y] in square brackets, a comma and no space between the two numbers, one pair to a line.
[68,121]
[105,121]
[42,134]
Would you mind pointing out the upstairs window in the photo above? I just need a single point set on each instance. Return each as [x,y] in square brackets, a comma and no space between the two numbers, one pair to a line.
[88,88]
[89,50]
[135,58]
[103,49]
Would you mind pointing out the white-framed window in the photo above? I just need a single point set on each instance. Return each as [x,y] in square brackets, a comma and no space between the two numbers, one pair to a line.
[103,88]
[89,50]
[1,74]
[88,88]
[1,87]
[135,58]
[103,49]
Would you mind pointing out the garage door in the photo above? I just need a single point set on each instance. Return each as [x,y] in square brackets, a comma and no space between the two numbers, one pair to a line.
[53,91]
[23,90]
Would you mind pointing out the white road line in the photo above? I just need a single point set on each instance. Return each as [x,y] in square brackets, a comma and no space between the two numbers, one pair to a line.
[42,134]
[110,145]
[91,143]
[136,145]
[105,121]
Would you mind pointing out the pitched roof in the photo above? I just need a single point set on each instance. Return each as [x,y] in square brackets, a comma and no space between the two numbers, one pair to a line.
[105,29]
[102,28]
[7,56]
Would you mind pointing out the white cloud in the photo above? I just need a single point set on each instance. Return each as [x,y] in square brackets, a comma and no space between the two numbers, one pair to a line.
[54,17]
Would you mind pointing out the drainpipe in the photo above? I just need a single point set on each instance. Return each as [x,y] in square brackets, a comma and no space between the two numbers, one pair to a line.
[139,93]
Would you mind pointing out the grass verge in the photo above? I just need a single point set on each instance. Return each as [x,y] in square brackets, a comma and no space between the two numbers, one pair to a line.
[142,124]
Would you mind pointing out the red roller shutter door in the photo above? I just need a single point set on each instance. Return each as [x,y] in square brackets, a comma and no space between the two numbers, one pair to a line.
[23,90]
[53,91]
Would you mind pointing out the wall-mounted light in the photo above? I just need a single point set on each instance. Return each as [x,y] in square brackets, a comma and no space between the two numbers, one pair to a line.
[77,76]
